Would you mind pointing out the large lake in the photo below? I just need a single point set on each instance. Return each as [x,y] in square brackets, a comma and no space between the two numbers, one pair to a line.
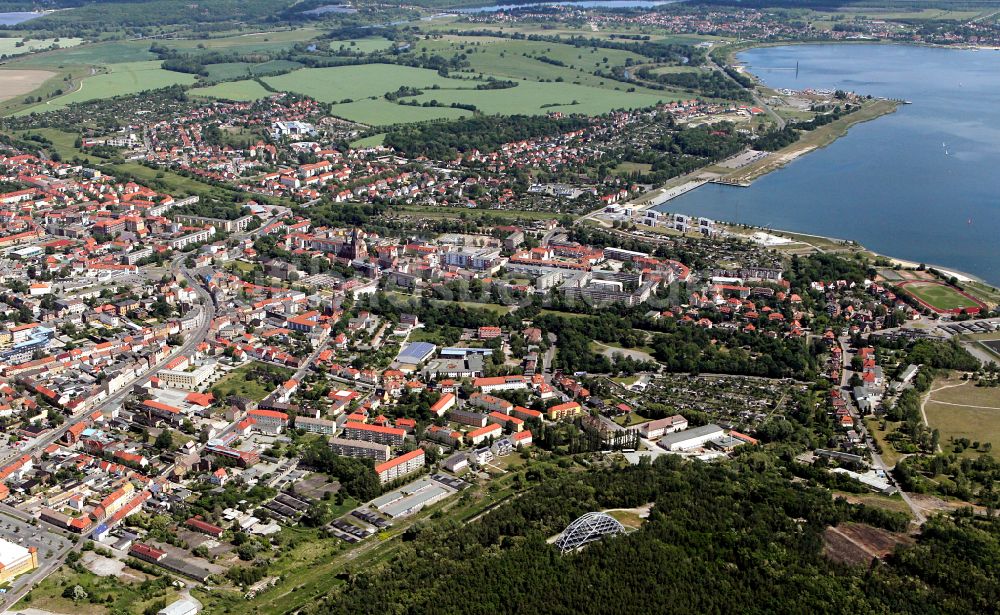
[12,19]
[921,184]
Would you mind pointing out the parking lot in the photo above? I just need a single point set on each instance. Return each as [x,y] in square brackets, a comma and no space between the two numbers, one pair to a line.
[26,535]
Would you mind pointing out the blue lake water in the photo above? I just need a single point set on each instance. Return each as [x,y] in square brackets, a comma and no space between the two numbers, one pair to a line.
[921,184]
[11,19]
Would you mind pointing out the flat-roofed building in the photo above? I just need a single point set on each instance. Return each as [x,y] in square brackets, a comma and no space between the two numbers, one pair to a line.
[465,417]
[325,427]
[189,380]
[16,560]
[373,433]
[401,466]
[269,421]
[359,449]
[690,438]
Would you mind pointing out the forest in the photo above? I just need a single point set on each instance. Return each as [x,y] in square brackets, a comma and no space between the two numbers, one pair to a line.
[444,140]
[733,537]
[711,84]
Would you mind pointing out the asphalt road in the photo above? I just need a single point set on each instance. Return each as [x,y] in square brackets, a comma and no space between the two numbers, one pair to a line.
[192,339]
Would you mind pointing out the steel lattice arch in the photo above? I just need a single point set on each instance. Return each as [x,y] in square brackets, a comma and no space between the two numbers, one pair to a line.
[588,528]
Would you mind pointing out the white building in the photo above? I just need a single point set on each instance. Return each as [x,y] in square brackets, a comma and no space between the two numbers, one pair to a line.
[690,438]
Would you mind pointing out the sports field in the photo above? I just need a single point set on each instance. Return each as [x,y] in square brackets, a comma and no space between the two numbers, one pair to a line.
[962,410]
[940,297]
[127,78]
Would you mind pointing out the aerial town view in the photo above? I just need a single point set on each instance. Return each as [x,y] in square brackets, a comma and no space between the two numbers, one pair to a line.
[570,307]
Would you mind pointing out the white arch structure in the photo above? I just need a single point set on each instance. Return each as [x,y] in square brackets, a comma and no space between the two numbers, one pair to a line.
[588,528]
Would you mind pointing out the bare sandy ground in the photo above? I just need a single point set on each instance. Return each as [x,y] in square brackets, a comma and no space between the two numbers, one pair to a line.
[14,83]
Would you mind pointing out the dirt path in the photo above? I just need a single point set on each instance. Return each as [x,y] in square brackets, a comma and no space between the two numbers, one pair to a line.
[927,398]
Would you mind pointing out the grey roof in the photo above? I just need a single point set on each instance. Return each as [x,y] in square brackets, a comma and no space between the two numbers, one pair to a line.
[415,352]
[695,432]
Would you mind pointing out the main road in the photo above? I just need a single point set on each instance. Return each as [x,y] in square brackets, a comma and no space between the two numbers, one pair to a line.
[859,424]
[190,343]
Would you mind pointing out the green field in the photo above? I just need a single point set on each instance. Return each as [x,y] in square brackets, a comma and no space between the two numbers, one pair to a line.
[381,112]
[101,53]
[965,411]
[242,43]
[362,81]
[535,98]
[238,383]
[370,141]
[234,90]
[520,59]
[366,45]
[8,46]
[939,296]
[127,78]
[242,70]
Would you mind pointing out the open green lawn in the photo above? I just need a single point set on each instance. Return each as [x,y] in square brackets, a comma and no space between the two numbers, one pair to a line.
[965,411]
[62,142]
[126,78]
[629,420]
[172,182]
[234,90]
[369,141]
[9,46]
[239,381]
[939,296]
[892,503]
[124,594]
[889,454]
[362,81]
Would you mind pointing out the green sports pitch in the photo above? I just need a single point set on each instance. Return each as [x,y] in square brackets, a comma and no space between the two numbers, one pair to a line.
[940,297]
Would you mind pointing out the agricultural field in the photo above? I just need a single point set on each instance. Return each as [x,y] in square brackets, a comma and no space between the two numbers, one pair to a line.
[119,52]
[363,81]
[962,410]
[246,90]
[127,78]
[14,83]
[365,45]
[241,70]
[509,59]
[381,112]
[242,43]
[534,98]
[9,46]
[939,297]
